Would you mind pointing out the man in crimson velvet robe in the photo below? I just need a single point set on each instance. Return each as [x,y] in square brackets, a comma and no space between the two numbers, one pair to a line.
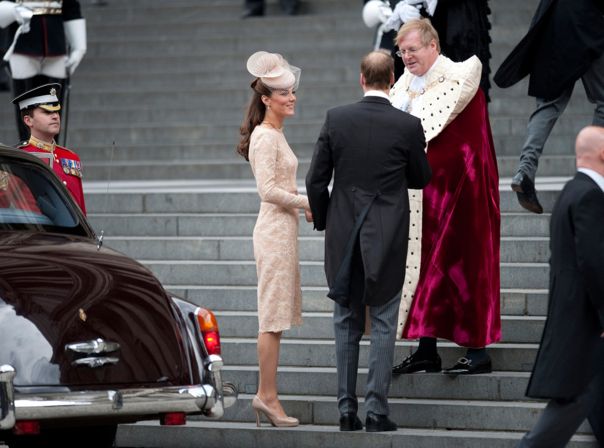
[452,281]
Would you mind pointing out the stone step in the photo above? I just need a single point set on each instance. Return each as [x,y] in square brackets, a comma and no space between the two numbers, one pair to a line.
[238,434]
[242,224]
[487,415]
[513,249]
[221,298]
[243,273]
[179,133]
[173,14]
[233,166]
[304,353]
[500,386]
[242,45]
[202,28]
[238,197]
[239,324]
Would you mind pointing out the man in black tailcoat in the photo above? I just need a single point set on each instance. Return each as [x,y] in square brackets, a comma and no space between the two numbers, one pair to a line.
[569,369]
[565,42]
[374,152]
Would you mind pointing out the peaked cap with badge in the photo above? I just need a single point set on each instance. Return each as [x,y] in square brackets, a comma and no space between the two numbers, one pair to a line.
[45,96]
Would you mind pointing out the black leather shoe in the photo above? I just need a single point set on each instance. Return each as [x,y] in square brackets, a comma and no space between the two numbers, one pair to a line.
[378,423]
[465,366]
[350,422]
[413,363]
[525,190]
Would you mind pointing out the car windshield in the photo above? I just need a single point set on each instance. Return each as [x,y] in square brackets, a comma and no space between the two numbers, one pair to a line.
[30,200]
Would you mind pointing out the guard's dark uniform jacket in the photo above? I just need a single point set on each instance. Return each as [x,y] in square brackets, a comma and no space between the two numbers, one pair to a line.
[46,36]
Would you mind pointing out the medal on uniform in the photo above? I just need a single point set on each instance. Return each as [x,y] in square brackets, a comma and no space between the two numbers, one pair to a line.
[65,166]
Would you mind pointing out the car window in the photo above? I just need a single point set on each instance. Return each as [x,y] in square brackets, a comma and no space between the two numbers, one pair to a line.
[29,198]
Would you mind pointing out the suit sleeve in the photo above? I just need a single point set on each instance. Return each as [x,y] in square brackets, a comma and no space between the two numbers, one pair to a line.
[318,178]
[265,165]
[418,168]
[589,243]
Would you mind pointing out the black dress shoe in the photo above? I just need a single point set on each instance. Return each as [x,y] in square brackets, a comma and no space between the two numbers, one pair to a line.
[379,423]
[525,190]
[465,366]
[350,422]
[414,363]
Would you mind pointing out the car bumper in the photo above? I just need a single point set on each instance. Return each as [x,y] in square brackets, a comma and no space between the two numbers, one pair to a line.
[114,403]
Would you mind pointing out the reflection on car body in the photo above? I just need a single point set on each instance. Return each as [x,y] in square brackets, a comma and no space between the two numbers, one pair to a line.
[88,336]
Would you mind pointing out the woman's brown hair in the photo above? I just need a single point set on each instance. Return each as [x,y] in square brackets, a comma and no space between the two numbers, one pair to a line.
[254,116]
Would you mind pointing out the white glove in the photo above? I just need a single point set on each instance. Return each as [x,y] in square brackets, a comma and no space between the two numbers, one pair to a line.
[11,12]
[75,33]
[402,13]
[415,2]
[428,5]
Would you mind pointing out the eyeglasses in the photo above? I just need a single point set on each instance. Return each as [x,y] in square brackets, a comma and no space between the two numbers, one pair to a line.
[409,51]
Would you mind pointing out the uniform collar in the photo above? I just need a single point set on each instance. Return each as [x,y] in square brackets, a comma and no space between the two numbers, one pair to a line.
[45,146]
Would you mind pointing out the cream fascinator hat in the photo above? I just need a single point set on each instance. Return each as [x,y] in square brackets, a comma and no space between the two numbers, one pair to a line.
[273,70]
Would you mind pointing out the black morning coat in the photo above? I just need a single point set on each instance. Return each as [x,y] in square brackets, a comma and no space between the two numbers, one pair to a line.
[375,153]
[564,38]
[572,351]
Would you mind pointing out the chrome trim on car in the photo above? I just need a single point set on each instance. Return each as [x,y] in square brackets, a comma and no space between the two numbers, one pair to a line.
[227,392]
[7,403]
[115,403]
[95,362]
[96,346]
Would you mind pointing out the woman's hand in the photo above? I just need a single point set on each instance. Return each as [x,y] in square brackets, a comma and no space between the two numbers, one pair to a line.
[308,215]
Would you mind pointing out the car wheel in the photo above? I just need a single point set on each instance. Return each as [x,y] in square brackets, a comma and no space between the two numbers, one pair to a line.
[88,436]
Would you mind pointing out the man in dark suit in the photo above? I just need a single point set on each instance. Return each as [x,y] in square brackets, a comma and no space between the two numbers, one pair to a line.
[565,42]
[376,153]
[569,369]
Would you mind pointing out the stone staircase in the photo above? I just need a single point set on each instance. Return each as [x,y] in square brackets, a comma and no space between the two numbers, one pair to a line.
[155,110]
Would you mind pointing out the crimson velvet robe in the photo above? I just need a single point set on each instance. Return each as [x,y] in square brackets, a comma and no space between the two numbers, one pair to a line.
[457,297]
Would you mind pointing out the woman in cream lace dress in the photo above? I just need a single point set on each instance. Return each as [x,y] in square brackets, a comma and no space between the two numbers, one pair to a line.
[276,232]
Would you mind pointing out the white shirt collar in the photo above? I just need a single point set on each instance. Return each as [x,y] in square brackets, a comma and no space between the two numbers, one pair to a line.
[597,177]
[377,93]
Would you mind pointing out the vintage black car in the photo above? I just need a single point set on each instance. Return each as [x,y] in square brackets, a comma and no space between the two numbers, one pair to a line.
[89,338]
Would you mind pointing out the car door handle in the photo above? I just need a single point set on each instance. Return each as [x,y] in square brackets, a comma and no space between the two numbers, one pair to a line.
[95,361]
[93,347]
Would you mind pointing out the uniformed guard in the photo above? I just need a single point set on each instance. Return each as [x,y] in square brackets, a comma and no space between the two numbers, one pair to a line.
[49,43]
[39,109]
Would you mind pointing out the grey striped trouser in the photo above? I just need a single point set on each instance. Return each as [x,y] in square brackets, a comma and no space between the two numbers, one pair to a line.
[349,325]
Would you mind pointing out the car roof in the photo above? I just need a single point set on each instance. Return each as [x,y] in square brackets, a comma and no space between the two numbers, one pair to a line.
[11,151]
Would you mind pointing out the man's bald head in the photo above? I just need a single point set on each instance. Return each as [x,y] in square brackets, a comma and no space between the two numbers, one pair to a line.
[589,148]
[377,71]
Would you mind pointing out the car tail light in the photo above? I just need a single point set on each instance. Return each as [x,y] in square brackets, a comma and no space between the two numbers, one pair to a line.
[173,419]
[209,330]
[27,427]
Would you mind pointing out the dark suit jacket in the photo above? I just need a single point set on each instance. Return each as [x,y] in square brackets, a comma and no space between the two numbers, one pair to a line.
[572,351]
[376,152]
[564,38]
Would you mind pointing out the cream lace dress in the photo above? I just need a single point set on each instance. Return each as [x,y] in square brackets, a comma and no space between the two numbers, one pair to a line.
[276,232]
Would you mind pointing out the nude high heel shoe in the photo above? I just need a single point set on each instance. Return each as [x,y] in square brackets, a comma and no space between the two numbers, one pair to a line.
[279,422]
